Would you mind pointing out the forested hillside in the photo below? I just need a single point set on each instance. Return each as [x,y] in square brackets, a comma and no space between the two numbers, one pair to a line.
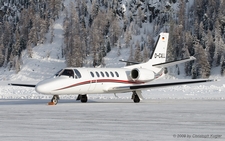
[93,27]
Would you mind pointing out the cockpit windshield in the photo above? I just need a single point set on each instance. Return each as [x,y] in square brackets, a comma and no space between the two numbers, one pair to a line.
[73,73]
[67,72]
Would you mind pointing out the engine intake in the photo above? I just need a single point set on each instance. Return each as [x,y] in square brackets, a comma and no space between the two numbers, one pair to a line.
[142,75]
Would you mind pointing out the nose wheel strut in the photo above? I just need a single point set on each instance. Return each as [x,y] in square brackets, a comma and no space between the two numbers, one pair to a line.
[54,100]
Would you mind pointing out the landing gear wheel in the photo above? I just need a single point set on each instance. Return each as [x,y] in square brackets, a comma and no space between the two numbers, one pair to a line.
[135,97]
[83,98]
[54,100]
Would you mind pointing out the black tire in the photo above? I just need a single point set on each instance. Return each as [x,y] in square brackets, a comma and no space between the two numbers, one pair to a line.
[136,99]
[84,98]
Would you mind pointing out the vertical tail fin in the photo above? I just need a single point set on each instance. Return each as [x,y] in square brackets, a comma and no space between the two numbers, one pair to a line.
[159,53]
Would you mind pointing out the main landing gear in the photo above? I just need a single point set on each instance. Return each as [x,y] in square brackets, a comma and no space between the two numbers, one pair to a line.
[82,98]
[135,96]
[54,100]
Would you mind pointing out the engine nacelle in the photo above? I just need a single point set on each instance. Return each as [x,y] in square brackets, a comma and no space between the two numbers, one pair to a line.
[142,75]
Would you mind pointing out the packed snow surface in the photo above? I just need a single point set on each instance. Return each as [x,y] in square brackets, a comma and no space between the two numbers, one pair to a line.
[151,120]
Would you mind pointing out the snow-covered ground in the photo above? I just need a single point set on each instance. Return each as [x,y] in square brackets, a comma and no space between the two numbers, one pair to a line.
[123,120]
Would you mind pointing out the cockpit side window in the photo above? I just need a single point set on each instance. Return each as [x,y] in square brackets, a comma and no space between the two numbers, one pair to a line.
[78,74]
[68,72]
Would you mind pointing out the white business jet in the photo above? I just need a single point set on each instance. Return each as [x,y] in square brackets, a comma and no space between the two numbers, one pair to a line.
[134,78]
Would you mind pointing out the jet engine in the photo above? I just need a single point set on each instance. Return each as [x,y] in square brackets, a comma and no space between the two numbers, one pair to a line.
[142,75]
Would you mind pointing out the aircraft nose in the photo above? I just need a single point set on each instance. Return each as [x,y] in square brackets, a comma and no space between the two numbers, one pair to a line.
[43,88]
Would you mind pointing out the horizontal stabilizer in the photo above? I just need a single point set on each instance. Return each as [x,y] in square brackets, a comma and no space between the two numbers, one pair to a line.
[131,62]
[167,64]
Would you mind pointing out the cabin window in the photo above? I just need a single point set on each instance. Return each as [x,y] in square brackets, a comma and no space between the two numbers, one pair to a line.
[97,74]
[102,74]
[117,74]
[78,75]
[68,72]
[107,74]
[92,74]
[111,74]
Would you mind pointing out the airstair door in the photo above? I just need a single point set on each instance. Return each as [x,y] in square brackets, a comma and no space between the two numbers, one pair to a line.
[92,84]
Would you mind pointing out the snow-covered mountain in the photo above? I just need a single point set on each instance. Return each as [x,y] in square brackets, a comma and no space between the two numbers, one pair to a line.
[47,60]
[47,57]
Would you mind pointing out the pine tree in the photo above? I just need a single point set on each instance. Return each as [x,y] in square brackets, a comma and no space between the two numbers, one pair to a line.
[139,17]
[55,6]
[52,31]
[172,45]
[67,29]
[29,50]
[115,31]
[222,71]
[77,59]
[131,55]
[219,45]
[97,40]
[128,38]
[16,47]
[24,25]
[210,47]
[138,55]
[1,51]
[188,51]
[145,54]
[74,51]
[94,9]
[16,63]
[43,30]
[202,64]
[6,41]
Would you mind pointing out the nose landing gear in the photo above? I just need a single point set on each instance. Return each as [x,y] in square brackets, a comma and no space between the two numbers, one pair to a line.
[54,100]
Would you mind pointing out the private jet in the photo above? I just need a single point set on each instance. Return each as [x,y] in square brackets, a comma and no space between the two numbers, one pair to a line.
[133,78]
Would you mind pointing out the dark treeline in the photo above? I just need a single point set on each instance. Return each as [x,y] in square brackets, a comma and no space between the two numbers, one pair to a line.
[198,30]
[93,27]
[24,24]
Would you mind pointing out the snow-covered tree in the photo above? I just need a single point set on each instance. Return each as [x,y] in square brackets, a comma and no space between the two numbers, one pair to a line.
[1,52]
[202,66]
[138,54]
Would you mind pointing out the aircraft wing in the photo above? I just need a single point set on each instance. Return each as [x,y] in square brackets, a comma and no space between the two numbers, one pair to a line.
[23,83]
[155,85]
